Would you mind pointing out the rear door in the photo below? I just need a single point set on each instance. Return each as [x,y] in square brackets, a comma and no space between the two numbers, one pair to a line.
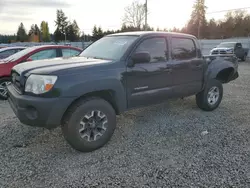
[149,83]
[187,67]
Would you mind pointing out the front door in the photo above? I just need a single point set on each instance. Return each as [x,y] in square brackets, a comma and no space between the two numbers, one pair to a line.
[149,83]
[187,67]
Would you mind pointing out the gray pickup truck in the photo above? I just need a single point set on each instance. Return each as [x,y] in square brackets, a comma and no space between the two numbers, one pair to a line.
[231,48]
[117,73]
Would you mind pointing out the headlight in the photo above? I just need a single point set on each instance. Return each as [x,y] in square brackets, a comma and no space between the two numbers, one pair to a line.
[39,84]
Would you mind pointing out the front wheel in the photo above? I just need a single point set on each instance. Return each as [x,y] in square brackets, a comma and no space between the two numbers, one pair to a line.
[3,88]
[89,124]
[244,58]
[210,98]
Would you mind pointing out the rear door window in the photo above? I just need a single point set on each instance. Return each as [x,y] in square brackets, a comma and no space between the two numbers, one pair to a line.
[183,48]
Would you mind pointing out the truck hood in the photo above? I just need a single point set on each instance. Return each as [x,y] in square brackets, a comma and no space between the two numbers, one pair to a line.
[222,48]
[56,65]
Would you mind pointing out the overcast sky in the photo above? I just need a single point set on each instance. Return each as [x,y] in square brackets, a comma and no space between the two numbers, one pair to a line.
[105,13]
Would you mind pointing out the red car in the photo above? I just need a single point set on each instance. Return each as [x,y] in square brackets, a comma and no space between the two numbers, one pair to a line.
[30,54]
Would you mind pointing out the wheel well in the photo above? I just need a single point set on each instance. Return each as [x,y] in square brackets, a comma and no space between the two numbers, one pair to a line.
[224,75]
[107,95]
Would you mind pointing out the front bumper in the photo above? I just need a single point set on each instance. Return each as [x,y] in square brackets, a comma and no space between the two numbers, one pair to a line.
[37,111]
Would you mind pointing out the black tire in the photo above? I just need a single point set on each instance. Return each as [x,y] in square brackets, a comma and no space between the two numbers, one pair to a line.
[71,124]
[202,100]
[3,82]
[244,58]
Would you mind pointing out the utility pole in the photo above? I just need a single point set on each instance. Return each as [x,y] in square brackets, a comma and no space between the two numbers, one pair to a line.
[65,35]
[146,15]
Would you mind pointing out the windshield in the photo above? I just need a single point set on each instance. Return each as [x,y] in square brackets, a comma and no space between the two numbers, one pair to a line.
[111,47]
[18,55]
[226,45]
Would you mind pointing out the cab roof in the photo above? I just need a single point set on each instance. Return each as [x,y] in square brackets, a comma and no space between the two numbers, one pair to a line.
[150,33]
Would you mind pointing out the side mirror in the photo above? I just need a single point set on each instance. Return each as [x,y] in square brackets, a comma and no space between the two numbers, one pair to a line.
[141,57]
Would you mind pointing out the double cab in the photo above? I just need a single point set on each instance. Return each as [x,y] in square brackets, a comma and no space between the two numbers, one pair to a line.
[117,73]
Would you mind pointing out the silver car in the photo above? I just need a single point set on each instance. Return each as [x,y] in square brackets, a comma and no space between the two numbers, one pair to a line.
[8,51]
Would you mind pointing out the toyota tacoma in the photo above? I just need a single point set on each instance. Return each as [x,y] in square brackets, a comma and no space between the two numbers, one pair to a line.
[117,73]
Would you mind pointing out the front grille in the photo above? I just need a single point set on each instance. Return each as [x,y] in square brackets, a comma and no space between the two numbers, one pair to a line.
[215,52]
[15,79]
[223,52]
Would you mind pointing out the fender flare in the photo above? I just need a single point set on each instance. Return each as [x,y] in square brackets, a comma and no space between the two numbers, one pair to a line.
[215,67]
[115,86]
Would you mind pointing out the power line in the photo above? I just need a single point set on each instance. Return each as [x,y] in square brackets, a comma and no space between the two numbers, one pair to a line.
[227,10]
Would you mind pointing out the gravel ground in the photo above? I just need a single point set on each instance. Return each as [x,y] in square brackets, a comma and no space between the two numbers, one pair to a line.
[168,145]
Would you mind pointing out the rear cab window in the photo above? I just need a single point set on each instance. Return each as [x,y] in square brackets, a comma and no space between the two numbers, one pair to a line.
[183,48]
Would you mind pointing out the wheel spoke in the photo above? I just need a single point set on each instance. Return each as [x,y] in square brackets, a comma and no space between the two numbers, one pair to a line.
[213,95]
[83,127]
[87,135]
[89,115]
[101,115]
[4,93]
[96,134]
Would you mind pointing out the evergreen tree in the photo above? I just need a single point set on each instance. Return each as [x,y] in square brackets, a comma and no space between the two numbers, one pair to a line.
[197,24]
[95,33]
[21,34]
[61,24]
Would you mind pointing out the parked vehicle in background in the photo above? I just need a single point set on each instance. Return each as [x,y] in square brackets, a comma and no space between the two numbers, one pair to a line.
[231,48]
[8,51]
[31,54]
[117,73]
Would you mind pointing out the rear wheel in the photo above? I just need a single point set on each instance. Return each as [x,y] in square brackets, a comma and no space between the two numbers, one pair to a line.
[244,58]
[210,98]
[3,89]
[89,124]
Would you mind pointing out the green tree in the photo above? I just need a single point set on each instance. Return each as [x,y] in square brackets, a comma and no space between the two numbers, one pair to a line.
[100,32]
[73,31]
[45,35]
[61,25]
[197,25]
[34,30]
[95,33]
[212,29]
[21,33]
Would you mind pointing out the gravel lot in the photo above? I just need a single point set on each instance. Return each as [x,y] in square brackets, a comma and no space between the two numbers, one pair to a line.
[168,145]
